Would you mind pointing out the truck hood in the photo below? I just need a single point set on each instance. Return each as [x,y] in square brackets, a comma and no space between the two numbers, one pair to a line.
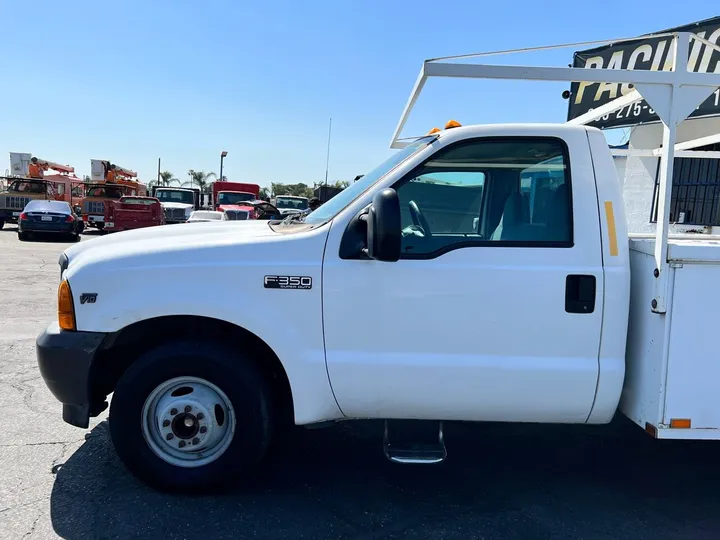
[176,205]
[151,242]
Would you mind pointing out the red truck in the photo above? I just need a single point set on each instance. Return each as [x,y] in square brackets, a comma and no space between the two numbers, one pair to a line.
[229,193]
[132,212]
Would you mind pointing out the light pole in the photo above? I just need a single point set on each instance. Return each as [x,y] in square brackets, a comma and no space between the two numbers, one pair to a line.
[223,155]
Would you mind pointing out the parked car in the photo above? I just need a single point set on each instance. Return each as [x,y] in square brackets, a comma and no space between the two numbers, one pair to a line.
[133,212]
[206,215]
[47,216]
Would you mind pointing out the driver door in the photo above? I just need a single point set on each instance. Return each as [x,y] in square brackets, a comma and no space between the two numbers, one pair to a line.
[473,323]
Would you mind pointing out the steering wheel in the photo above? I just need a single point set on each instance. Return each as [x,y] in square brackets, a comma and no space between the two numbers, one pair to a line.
[418,218]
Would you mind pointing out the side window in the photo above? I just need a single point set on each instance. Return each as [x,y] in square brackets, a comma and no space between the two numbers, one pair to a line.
[488,192]
[443,202]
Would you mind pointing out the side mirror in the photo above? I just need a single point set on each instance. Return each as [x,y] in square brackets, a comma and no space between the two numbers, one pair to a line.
[384,232]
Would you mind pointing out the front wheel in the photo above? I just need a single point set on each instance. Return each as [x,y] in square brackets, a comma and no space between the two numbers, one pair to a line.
[188,416]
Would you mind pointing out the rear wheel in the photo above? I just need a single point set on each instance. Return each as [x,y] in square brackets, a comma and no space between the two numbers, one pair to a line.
[190,416]
[22,236]
[2,223]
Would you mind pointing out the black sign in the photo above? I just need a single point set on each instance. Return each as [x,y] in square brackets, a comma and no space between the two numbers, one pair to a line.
[651,53]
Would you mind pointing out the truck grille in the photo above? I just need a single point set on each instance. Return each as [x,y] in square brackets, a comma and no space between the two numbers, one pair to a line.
[94,207]
[174,214]
[236,214]
[13,202]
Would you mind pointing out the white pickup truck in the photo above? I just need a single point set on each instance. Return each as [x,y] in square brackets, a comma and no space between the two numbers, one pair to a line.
[481,273]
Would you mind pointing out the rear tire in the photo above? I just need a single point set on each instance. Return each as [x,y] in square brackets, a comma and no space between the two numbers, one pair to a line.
[23,236]
[143,428]
[2,223]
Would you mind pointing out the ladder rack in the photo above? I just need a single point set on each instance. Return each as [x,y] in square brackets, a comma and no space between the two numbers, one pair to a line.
[674,95]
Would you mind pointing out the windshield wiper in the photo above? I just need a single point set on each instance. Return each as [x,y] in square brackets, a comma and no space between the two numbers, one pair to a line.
[293,217]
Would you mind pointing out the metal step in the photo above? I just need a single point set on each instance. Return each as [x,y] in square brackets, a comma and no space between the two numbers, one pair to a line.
[414,441]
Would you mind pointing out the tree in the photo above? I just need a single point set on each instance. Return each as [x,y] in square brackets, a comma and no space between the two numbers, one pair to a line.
[299,190]
[341,184]
[264,194]
[199,179]
[167,178]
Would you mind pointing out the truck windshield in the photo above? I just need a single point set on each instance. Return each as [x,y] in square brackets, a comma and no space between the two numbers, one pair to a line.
[234,197]
[104,191]
[297,203]
[331,208]
[175,195]
[22,186]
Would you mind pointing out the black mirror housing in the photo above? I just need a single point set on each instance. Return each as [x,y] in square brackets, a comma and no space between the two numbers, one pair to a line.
[384,231]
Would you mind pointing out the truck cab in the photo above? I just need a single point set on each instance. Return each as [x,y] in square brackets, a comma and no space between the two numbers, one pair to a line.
[499,319]
[229,193]
[177,203]
[291,204]
[228,199]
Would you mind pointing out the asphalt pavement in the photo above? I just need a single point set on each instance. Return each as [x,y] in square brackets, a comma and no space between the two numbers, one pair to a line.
[499,481]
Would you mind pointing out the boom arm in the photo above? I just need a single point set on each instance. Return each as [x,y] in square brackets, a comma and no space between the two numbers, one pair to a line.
[122,171]
[56,166]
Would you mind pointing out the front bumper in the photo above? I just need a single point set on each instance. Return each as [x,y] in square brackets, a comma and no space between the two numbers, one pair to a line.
[65,359]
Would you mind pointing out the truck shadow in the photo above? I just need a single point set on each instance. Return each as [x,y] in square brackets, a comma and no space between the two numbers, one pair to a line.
[500,481]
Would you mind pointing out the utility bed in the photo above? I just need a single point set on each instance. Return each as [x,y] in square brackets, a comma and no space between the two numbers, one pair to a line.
[133,213]
[673,362]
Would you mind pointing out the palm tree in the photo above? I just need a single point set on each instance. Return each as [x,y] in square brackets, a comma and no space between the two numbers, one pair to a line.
[199,179]
[167,178]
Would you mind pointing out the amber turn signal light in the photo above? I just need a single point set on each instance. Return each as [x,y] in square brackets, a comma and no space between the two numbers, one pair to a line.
[66,311]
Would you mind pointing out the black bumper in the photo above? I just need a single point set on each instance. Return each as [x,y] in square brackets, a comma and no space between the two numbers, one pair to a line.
[39,227]
[65,359]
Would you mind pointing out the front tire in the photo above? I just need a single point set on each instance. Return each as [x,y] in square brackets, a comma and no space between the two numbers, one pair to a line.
[191,416]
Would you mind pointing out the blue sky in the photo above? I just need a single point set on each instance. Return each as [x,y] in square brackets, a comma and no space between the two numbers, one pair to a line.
[134,81]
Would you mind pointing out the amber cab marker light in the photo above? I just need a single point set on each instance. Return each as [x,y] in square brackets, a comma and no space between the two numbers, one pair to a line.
[434,130]
[66,313]
[452,124]
[680,423]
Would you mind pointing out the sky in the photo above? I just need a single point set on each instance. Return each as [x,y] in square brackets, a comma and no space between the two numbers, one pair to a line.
[138,80]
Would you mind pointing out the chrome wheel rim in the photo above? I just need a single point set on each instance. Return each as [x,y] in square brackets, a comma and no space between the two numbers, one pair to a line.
[188,422]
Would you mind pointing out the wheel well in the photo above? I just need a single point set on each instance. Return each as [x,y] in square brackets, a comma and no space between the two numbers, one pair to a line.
[124,347]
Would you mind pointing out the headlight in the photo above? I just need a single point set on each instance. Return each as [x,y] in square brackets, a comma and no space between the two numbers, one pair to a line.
[66,309]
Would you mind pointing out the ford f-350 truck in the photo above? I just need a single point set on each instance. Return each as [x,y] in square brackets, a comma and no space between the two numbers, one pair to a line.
[481,273]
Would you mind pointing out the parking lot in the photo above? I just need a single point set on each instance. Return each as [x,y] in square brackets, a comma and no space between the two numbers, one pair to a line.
[499,482]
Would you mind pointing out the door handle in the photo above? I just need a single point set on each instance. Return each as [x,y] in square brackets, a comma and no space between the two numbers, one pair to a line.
[580,292]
